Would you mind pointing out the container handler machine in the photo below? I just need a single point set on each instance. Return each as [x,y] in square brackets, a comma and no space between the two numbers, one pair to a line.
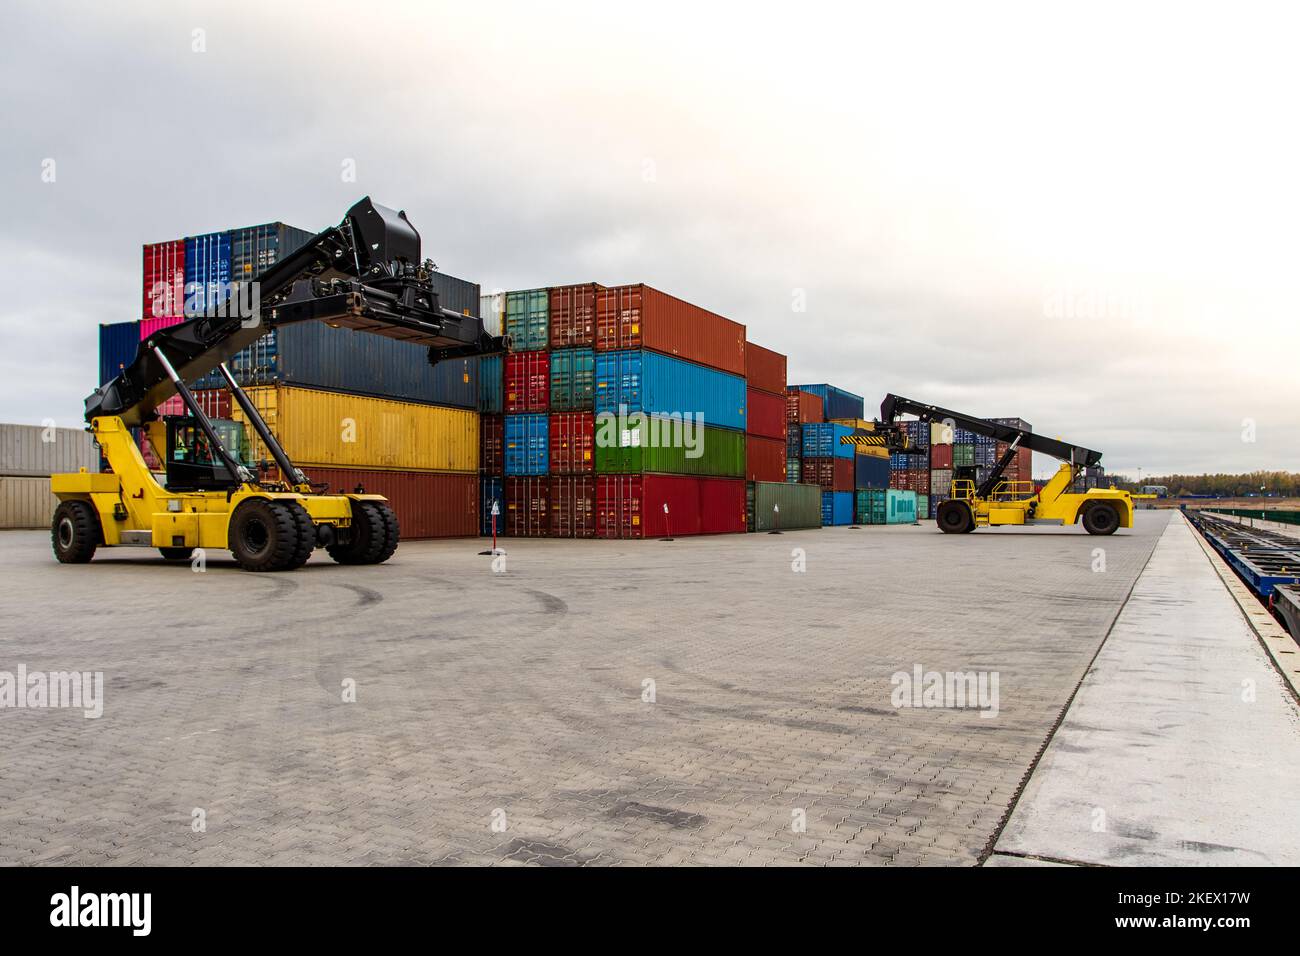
[364,274]
[997,501]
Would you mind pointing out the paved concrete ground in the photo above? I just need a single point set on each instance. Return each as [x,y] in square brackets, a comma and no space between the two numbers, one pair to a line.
[522,692]
[1183,744]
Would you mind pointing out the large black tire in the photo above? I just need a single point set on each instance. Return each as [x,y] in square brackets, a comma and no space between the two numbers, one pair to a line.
[306,534]
[1100,517]
[954,517]
[374,535]
[75,532]
[177,554]
[264,536]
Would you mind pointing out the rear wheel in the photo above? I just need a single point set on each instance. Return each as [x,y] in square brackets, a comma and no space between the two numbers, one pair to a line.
[264,536]
[177,554]
[1100,518]
[373,538]
[306,533]
[954,517]
[74,532]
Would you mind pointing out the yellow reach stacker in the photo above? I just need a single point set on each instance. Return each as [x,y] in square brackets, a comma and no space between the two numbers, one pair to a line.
[995,501]
[364,274]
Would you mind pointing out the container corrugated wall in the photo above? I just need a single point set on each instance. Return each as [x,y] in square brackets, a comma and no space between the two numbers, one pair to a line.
[253,249]
[491,384]
[639,317]
[800,506]
[207,270]
[528,319]
[764,369]
[164,279]
[718,451]
[632,506]
[764,459]
[823,441]
[573,506]
[573,375]
[836,402]
[357,431]
[428,504]
[36,451]
[764,413]
[573,315]
[118,343]
[26,502]
[661,385]
[837,507]
[527,439]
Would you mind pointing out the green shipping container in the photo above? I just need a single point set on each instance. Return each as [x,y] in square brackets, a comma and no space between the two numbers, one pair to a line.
[793,468]
[922,507]
[721,451]
[573,380]
[963,456]
[528,320]
[782,506]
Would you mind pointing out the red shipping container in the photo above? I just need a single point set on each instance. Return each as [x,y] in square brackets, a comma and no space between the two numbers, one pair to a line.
[215,402]
[764,414]
[764,369]
[528,507]
[764,459]
[573,315]
[492,445]
[164,279]
[911,479]
[149,326]
[573,506]
[833,474]
[803,407]
[632,506]
[572,443]
[639,317]
[428,504]
[528,382]
[940,457]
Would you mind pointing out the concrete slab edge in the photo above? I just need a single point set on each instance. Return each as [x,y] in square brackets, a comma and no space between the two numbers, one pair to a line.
[1282,650]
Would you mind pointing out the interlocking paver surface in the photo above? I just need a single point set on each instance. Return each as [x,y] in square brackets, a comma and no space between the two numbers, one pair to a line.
[516,699]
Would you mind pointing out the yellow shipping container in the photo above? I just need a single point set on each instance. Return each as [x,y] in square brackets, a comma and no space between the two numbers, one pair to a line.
[356,431]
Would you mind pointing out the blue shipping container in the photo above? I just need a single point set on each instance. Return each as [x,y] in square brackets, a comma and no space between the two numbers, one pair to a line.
[918,434]
[822,440]
[527,439]
[905,462]
[253,249]
[490,490]
[661,385]
[118,343]
[870,472]
[207,271]
[837,507]
[491,391]
[837,402]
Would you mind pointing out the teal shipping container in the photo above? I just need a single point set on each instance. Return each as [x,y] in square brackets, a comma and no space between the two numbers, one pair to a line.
[885,506]
[573,378]
[528,320]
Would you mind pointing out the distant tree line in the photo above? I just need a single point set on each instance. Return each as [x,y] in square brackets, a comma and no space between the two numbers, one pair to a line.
[1282,483]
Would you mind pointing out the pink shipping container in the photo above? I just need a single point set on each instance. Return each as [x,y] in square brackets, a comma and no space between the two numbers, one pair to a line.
[639,317]
[149,326]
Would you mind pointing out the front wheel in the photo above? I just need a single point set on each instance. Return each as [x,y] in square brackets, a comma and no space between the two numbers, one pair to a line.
[373,537]
[1100,518]
[954,517]
[264,536]
[74,532]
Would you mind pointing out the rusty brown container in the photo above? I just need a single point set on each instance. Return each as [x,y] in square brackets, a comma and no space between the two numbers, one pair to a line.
[573,506]
[803,407]
[764,459]
[764,369]
[573,315]
[639,317]
[528,507]
[428,504]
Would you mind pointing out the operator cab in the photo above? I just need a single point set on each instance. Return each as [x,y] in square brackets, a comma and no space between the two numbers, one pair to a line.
[192,463]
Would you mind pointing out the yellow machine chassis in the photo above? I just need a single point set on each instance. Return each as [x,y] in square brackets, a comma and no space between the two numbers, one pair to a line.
[1011,502]
[129,500]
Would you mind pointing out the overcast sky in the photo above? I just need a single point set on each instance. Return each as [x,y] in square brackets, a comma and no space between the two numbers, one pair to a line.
[1085,218]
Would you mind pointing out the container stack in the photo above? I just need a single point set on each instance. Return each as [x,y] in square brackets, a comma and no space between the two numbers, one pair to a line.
[941,464]
[910,471]
[825,414]
[1021,468]
[571,440]
[29,454]
[526,426]
[353,409]
[670,399]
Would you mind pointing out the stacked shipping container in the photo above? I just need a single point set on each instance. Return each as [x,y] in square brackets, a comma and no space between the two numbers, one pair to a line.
[29,454]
